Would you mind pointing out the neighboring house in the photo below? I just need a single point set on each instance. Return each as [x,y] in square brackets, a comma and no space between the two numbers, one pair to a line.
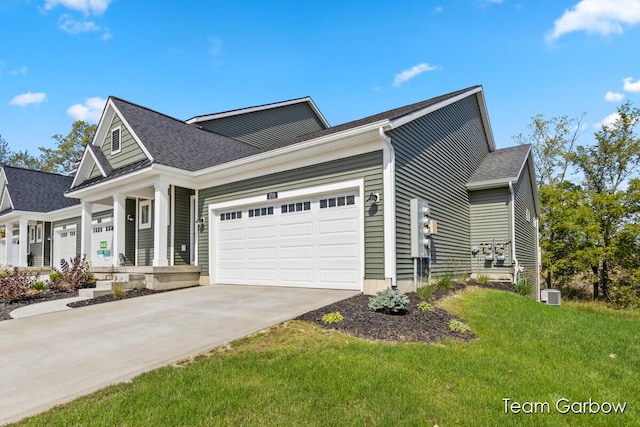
[31,204]
[272,195]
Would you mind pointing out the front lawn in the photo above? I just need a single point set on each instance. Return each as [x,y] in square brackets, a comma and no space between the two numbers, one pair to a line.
[298,374]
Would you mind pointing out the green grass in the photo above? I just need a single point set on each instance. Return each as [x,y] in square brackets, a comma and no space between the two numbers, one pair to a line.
[298,374]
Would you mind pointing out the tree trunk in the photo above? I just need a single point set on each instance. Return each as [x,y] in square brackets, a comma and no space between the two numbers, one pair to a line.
[596,279]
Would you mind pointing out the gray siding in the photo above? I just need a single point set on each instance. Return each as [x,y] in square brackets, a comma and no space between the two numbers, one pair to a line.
[47,243]
[182,227]
[145,241]
[67,222]
[36,248]
[525,230]
[490,221]
[267,127]
[435,157]
[130,150]
[367,166]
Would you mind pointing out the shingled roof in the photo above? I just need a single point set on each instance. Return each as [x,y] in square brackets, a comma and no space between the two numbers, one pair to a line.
[174,143]
[36,191]
[500,167]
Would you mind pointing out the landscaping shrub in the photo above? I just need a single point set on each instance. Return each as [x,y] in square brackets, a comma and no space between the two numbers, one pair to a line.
[15,284]
[524,286]
[623,297]
[118,290]
[458,326]
[39,286]
[425,306]
[425,292]
[389,301]
[446,282]
[483,278]
[333,317]
[72,275]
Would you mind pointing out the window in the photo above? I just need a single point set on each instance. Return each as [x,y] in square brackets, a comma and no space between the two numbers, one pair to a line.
[108,228]
[528,215]
[228,216]
[260,212]
[296,207]
[145,214]
[115,141]
[32,234]
[97,229]
[39,233]
[337,201]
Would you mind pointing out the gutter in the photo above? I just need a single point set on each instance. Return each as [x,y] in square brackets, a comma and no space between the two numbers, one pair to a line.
[516,264]
[389,206]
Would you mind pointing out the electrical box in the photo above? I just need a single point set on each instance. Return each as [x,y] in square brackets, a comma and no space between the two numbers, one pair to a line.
[420,229]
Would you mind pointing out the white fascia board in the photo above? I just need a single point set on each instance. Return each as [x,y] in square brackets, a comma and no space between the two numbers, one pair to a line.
[241,111]
[250,160]
[95,159]
[84,168]
[431,108]
[489,184]
[105,189]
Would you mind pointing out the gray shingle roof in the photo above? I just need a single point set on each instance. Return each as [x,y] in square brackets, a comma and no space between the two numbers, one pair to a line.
[36,191]
[174,143]
[500,167]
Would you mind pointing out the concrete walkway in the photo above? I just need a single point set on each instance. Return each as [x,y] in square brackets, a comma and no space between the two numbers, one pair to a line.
[44,307]
[53,358]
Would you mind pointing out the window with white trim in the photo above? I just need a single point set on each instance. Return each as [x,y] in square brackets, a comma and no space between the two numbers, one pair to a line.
[144,214]
[32,234]
[260,212]
[337,201]
[116,144]
[228,216]
[296,207]
[39,233]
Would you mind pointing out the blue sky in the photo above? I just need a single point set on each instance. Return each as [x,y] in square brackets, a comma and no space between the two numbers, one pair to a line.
[61,59]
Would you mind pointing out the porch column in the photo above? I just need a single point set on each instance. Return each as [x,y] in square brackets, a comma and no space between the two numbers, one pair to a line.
[8,239]
[161,204]
[23,242]
[85,235]
[119,224]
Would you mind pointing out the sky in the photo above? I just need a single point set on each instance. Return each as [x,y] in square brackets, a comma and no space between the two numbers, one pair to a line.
[61,59]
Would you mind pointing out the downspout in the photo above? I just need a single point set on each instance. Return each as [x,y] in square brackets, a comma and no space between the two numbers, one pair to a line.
[389,207]
[514,260]
[538,260]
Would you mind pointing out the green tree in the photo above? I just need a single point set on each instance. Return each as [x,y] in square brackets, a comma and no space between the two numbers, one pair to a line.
[610,182]
[5,151]
[24,159]
[69,148]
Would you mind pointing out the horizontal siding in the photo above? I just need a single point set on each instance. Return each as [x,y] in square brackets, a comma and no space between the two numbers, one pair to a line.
[182,227]
[367,166]
[525,230]
[267,127]
[130,150]
[130,232]
[490,212]
[435,157]
[145,241]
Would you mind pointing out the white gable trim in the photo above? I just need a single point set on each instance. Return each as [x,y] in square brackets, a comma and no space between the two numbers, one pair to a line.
[231,113]
[129,128]
[6,197]
[97,163]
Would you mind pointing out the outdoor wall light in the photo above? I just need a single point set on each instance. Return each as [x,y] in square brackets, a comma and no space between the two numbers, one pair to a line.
[200,221]
[373,197]
[130,218]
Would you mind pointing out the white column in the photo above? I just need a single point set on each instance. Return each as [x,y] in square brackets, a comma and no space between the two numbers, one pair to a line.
[23,243]
[119,223]
[8,236]
[85,236]
[160,223]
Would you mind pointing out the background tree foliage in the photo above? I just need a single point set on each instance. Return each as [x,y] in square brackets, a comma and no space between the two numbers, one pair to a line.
[590,198]
[61,159]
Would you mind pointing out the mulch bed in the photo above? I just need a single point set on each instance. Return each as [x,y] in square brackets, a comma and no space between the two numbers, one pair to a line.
[413,326]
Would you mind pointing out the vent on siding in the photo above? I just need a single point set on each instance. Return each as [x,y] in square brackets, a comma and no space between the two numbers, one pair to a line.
[115,140]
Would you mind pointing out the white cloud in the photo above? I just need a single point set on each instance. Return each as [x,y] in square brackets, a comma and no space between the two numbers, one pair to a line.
[89,7]
[409,74]
[597,16]
[613,96]
[19,72]
[607,121]
[28,98]
[631,86]
[75,27]
[90,111]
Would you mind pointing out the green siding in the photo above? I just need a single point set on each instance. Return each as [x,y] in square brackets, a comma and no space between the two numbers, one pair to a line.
[130,150]
[267,127]
[145,242]
[47,243]
[182,226]
[95,172]
[490,221]
[525,230]
[36,249]
[367,166]
[435,157]
[130,232]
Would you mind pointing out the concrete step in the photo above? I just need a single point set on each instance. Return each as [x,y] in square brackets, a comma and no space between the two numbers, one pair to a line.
[94,292]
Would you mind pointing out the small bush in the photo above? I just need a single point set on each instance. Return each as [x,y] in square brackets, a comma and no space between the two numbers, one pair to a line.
[425,306]
[425,292]
[623,297]
[458,326]
[446,282]
[333,317]
[118,290]
[39,286]
[72,275]
[15,284]
[524,286]
[389,301]
[55,276]
[483,278]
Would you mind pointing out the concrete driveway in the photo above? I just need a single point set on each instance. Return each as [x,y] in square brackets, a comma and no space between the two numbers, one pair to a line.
[53,358]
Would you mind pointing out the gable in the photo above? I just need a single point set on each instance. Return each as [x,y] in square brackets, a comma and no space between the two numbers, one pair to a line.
[130,152]
[266,127]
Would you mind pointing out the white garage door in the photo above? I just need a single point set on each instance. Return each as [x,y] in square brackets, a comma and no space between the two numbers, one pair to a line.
[309,242]
[64,245]
[101,244]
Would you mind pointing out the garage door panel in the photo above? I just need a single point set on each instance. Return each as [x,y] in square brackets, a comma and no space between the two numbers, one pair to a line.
[310,247]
